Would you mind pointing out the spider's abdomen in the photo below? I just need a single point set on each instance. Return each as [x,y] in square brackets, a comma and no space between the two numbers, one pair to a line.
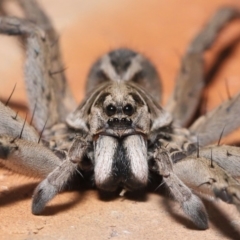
[125,65]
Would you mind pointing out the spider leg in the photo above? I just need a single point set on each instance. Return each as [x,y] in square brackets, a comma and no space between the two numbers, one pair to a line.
[223,118]
[11,124]
[190,79]
[227,157]
[52,185]
[35,14]
[20,147]
[190,203]
[39,71]
[58,179]
[29,158]
[206,177]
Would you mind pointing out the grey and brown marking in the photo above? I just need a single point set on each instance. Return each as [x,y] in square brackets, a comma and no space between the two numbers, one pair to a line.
[119,133]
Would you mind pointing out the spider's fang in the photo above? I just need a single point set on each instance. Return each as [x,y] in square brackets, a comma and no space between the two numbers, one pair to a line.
[123,192]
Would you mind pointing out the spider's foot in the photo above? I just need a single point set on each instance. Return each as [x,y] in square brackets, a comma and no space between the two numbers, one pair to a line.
[195,209]
[42,195]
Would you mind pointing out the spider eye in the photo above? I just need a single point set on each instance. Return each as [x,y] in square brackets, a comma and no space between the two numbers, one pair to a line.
[111,110]
[128,109]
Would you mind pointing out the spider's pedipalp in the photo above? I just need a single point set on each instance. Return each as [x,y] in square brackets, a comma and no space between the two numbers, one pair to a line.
[190,80]
[55,182]
[59,177]
[78,149]
[43,194]
[190,203]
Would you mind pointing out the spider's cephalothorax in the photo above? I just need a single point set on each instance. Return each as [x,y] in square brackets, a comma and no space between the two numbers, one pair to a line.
[119,117]
[119,133]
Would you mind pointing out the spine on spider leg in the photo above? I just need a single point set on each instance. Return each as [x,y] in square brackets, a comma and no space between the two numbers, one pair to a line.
[190,80]
[225,118]
[207,178]
[28,158]
[227,157]
[11,124]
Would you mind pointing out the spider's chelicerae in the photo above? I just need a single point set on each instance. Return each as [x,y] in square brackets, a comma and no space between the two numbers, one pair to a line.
[119,134]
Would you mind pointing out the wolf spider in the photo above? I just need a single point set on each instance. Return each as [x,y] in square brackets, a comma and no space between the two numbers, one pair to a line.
[119,134]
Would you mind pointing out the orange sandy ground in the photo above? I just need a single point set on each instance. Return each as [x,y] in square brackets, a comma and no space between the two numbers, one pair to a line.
[162,30]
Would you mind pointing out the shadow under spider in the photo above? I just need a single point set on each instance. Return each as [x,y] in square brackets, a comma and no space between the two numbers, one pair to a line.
[17,194]
[140,195]
[25,191]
